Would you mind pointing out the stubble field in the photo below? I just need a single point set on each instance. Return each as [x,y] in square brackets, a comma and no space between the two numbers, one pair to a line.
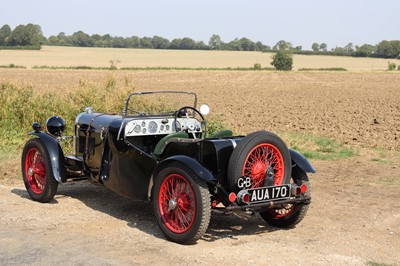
[54,56]
[354,218]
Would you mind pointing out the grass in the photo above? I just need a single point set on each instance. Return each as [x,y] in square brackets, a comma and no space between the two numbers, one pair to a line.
[22,105]
[380,156]
[72,68]
[11,66]
[373,263]
[317,147]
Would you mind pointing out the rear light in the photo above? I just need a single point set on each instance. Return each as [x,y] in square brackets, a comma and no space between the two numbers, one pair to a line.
[297,190]
[232,197]
[303,188]
[243,196]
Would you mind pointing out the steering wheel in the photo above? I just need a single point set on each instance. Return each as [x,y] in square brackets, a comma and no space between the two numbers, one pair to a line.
[183,112]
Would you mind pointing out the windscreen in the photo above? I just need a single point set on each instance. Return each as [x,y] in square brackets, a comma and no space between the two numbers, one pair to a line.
[158,103]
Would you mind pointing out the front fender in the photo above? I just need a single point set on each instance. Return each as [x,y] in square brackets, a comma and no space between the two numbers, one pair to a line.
[301,161]
[57,158]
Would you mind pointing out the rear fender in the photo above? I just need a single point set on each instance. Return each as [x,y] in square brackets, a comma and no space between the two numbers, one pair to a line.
[301,161]
[57,158]
[202,172]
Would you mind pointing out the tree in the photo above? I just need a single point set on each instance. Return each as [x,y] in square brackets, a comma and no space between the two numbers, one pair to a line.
[364,50]
[282,61]
[247,45]
[282,45]
[187,44]
[323,47]
[340,51]
[96,40]
[118,42]
[349,47]
[81,39]
[35,35]
[5,35]
[200,45]
[145,42]
[19,36]
[175,44]
[388,49]
[215,42]
[315,47]
[160,42]
[259,46]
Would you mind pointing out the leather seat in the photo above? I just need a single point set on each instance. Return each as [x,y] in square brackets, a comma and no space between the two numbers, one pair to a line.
[222,134]
[158,150]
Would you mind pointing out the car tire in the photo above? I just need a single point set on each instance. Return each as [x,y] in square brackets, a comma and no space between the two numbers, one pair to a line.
[37,172]
[181,204]
[289,215]
[260,155]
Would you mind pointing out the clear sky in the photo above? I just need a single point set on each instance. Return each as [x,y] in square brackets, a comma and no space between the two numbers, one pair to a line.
[301,22]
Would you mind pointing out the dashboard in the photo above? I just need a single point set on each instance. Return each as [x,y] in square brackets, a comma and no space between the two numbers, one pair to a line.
[160,126]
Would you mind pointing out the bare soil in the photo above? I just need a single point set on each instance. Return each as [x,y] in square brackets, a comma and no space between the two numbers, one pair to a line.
[356,108]
[354,216]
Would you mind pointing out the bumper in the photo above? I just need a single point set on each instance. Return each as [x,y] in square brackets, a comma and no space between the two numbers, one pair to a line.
[269,204]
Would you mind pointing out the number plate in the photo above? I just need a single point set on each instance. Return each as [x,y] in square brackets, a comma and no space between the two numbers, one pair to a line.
[269,193]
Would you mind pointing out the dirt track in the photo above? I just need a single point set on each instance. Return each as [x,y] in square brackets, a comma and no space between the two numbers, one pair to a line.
[349,223]
[354,216]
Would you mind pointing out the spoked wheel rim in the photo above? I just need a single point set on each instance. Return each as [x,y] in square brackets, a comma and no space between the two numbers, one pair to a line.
[262,161]
[35,170]
[283,212]
[177,203]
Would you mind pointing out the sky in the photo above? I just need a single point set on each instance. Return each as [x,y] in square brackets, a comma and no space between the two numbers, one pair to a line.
[301,22]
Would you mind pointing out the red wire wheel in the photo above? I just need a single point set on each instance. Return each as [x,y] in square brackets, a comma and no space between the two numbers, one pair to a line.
[281,213]
[37,172]
[289,214]
[177,203]
[263,157]
[181,203]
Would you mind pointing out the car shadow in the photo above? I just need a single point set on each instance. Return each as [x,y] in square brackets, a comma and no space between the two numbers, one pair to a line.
[139,214]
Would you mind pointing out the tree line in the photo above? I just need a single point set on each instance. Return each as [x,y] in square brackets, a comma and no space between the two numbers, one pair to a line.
[31,36]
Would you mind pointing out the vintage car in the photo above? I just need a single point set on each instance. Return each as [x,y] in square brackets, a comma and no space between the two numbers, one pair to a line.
[163,153]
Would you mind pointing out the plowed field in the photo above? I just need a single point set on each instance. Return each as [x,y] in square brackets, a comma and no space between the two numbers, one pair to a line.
[354,108]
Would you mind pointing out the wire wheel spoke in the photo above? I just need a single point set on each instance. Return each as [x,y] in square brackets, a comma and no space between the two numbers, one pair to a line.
[35,170]
[261,158]
[177,203]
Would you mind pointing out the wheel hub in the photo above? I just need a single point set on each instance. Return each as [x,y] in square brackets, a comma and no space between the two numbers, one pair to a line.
[258,168]
[30,171]
[270,172]
[172,204]
[269,176]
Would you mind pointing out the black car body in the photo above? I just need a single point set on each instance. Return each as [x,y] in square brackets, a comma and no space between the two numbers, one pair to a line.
[167,157]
